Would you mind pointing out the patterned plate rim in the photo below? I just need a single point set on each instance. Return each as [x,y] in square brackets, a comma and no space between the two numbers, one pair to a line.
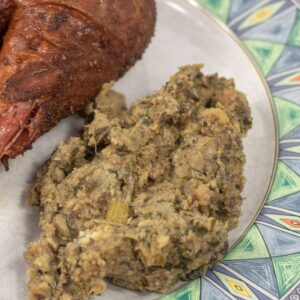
[230,33]
[264,263]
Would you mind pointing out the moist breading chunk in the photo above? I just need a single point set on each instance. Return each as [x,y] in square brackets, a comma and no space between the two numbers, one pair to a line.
[144,197]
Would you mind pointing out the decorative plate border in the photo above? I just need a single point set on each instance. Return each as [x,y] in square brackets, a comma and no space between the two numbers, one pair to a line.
[265,262]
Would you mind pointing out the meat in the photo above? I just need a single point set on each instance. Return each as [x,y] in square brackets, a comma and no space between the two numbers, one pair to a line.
[57,54]
[144,197]
[6,10]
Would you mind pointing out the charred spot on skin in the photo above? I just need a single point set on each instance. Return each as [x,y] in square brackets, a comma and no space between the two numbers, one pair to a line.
[4,161]
[41,16]
[12,91]
[33,114]
[32,82]
[57,21]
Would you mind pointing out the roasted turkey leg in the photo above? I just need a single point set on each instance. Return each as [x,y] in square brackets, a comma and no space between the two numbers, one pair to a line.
[55,57]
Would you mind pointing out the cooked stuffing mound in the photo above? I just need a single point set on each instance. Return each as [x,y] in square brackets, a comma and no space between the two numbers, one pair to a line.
[145,197]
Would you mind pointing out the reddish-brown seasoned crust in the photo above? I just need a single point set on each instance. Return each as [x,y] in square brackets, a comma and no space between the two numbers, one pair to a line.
[57,54]
[6,9]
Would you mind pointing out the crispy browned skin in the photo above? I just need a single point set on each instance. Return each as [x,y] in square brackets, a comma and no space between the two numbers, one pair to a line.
[57,54]
[6,10]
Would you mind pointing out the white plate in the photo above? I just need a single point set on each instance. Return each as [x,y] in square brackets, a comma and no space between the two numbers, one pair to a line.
[184,35]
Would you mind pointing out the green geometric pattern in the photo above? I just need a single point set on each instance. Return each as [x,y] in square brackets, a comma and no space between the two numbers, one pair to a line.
[236,287]
[295,35]
[295,149]
[265,249]
[189,292]
[286,182]
[287,221]
[251,246]
[292,80]
[220,8]
[288,114]
[262,15]
[287,269]
[265,53]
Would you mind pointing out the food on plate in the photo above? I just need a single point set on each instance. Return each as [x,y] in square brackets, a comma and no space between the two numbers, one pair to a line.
[6,10]
[144,197]
[56,55]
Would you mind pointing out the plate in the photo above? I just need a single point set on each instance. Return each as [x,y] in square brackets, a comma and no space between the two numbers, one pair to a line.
[264,257]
